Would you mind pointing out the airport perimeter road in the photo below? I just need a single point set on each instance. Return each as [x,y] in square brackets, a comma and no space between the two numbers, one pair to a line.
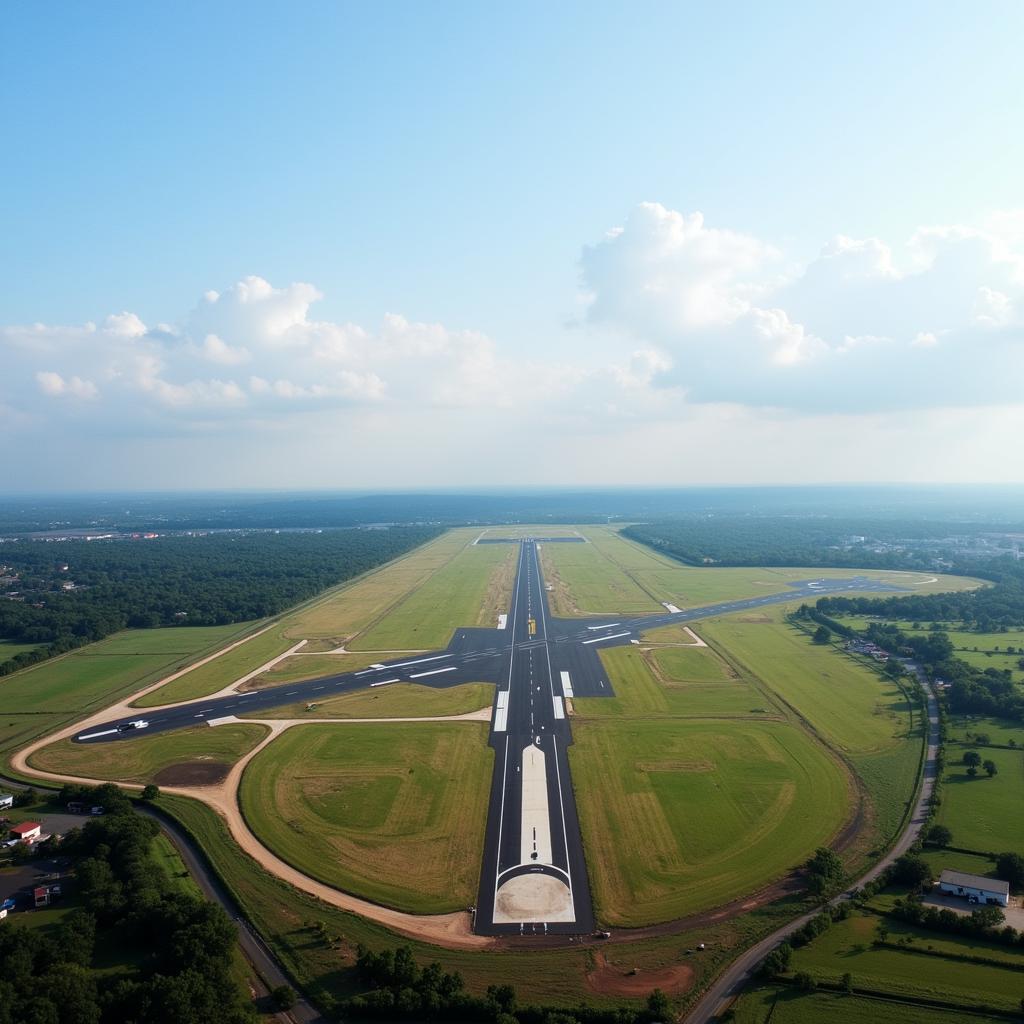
[534,877]
[731,983]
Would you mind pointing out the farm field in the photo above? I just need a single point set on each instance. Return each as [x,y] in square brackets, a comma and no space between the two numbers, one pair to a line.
[777,1004]
[221,671]
[698,684]
[847,947]
[354,606]
[847,703]
[982,813]
[712,809]
[393,813]
[471,589]
[401,700]
[143,759]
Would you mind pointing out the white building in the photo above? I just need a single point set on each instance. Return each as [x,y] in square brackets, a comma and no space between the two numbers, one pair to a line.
[6,800]
[975,888]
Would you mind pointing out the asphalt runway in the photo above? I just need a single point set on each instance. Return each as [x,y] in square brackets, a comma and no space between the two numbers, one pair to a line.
[534,877]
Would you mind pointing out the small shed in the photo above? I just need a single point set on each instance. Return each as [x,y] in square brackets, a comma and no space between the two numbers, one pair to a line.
[975,888]
[27,831]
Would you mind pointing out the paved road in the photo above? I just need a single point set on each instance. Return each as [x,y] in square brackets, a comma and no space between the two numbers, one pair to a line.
[731,983]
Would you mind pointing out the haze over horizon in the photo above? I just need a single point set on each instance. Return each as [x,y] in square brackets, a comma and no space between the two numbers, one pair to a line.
[391,246]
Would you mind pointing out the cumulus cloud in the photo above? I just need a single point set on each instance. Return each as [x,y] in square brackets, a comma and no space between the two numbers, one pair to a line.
[53,384]
[864,326]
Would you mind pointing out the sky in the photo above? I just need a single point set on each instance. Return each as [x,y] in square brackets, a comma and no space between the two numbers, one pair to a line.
[414,245]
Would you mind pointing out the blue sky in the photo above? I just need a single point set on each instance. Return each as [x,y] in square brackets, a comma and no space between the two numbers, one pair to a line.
[426,193]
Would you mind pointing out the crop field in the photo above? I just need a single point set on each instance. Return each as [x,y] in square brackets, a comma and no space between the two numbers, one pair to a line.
[678,815]
[354,606]
[847,703]
[401,700]
[912,971]
[471,589]
[688,687]
[393,813]
[983,813]
[142,758]
[220,672]
[777,1004]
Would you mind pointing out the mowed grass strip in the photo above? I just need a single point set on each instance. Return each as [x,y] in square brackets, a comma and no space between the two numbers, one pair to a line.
[459,593]
[76,682]
[355,605]
[678,816]
[141,758]
[400,700]
[848,947]
[850,705]
[779,1004]
[982,813]
[220,672]
[393,813]
[640,693]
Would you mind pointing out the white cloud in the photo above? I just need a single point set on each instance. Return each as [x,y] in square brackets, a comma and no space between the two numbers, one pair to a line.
[53,384]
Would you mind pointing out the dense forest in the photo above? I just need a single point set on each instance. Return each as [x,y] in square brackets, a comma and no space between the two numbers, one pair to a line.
[180,946]
[815,541]
[193,581]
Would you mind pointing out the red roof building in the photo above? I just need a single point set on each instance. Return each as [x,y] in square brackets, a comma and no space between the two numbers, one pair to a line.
[26,831]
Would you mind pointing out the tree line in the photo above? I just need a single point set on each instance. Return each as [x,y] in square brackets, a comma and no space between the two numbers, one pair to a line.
[174,581]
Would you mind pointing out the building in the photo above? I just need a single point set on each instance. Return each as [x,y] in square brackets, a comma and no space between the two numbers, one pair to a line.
[975,888]
[6,800]
[44,895]
[27,832]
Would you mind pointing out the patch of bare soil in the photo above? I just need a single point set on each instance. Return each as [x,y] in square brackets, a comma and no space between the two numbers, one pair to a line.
[192,773]
[753,618]
[615,981]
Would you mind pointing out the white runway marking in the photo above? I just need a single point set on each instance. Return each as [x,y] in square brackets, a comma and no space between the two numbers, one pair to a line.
[432,672]
[607,625]
[559,707]
[598,639]
[93,735]
[386,682]
[566,684]
[417,661]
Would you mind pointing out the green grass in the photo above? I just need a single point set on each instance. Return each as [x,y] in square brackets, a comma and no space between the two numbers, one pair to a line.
[10,649]
[394,813]
[939,859]
[847,947]
[401,700]
[220,672]
[639,692]
[983,813]
[850,705]
[1000,731]
[691,664]
[890,778]
[781,1004]
[456,594]
[141,758]
[678,816]
[286,919]
[167,860]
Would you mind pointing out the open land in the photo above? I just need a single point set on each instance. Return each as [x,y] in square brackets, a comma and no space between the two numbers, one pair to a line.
[391,813]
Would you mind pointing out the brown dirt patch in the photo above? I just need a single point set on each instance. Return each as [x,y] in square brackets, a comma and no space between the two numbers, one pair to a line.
[759,619]
[192,773]
[610,980]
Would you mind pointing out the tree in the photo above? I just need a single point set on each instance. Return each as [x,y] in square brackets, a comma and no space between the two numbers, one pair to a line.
[777,961]
[1010,866]
[825,872]
[150,792]
[939,835]
[991,769]
[972,759]
[910,869]
[822,635]
[282,997]
[658,1005]
[805,981]
[847,982]
[972,771]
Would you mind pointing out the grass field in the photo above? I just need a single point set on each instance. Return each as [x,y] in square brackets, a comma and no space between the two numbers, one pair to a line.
[471,589]
[9,649]
[890,777]
[354,606]
[1000,731]
[141,758]
[983,813]
[322,962]
[220,672]
[695,684]
[847,947]
[394,813]
[711,809]
[780,1004]
[401,700]
[847,703]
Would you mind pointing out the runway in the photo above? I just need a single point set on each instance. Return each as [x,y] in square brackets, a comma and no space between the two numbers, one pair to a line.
[533,877]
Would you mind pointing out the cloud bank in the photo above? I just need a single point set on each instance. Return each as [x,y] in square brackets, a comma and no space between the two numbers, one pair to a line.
[694,338]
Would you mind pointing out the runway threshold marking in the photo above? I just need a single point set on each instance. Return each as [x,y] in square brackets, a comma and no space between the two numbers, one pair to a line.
[386,682]
[566,685]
